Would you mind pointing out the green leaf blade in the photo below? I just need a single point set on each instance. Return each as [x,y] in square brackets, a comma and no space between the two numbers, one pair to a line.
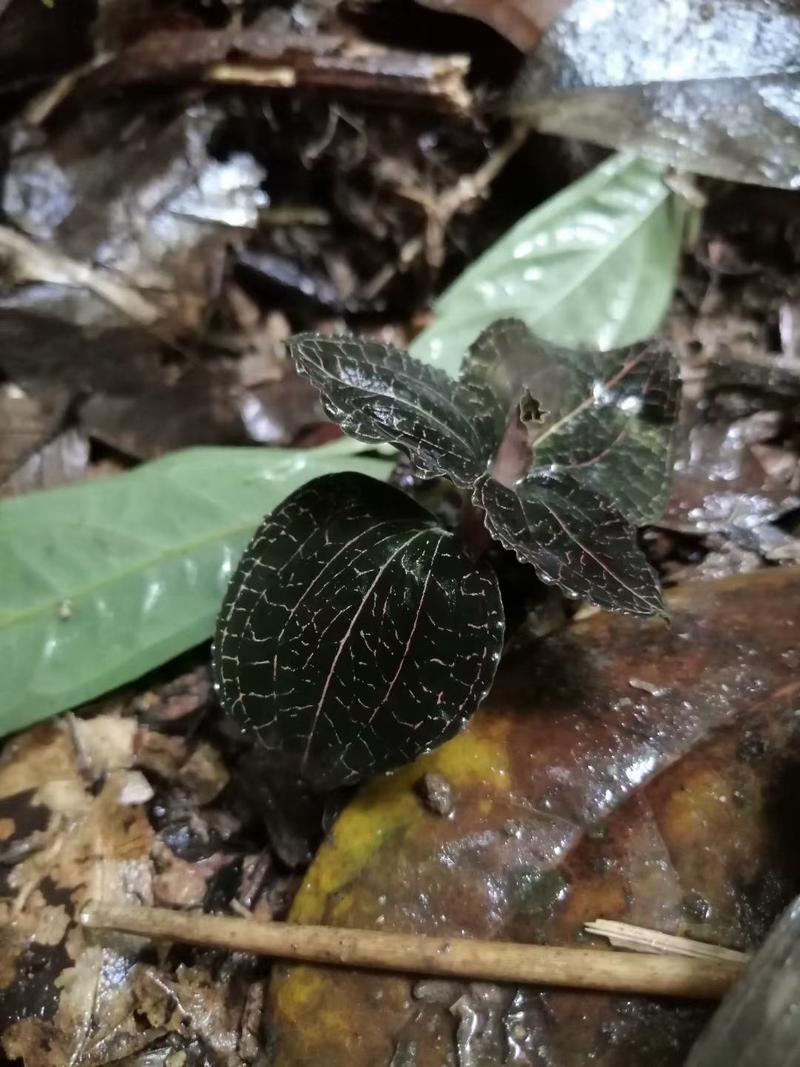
[594,266]
[103,581]
[355,633]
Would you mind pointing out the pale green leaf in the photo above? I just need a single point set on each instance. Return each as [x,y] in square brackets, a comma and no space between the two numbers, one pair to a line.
[594,266]
[103,581]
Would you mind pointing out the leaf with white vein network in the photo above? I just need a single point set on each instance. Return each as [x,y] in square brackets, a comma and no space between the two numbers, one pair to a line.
[504,361]
[355,633]
[609,421]
[573,538]
[599,432]
[377,392]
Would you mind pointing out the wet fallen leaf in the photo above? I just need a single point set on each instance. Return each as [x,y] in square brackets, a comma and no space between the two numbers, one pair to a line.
[139,196]
[708,86]
[74,819]
[623,770]
[592,267]
[129,391]
[522,21]
[200,408]
[720,483]
[105,580]
[62,460]
[28,420]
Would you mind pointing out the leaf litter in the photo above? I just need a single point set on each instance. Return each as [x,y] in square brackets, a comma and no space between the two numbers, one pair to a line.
[341,231]
[707,86]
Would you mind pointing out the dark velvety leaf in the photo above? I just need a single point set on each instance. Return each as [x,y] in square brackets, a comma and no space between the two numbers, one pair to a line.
[709,86]
[609,422]
[573,538]
[378,393]
[608,418]
[355,633]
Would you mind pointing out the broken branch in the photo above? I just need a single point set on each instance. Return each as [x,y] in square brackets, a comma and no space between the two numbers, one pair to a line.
[642,939]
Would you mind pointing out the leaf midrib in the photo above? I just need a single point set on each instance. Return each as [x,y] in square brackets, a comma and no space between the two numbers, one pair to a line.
[51,606]
[601,257]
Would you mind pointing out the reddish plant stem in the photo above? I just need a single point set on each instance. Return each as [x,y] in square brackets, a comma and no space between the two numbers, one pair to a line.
[513,456]
[472,530]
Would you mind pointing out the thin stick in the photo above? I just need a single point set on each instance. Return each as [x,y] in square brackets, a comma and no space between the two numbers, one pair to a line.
[642,939]
[36,262]
[416,954]
[252,74]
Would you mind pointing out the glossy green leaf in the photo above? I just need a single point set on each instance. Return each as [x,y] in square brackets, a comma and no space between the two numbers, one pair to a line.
[355,633]
[594,266]
[103,581]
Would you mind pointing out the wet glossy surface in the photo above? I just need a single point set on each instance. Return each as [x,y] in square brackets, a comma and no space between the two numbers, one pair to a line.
[623,770]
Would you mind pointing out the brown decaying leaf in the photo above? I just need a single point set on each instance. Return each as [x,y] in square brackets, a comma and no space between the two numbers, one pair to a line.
[621,769]
[139,196]
[720,482]
[708,86]
[28,420]
[521,21]
[125,394]
[74,826]
[59,461]
[27,261]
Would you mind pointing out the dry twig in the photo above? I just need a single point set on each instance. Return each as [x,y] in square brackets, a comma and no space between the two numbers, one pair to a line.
[410,953]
